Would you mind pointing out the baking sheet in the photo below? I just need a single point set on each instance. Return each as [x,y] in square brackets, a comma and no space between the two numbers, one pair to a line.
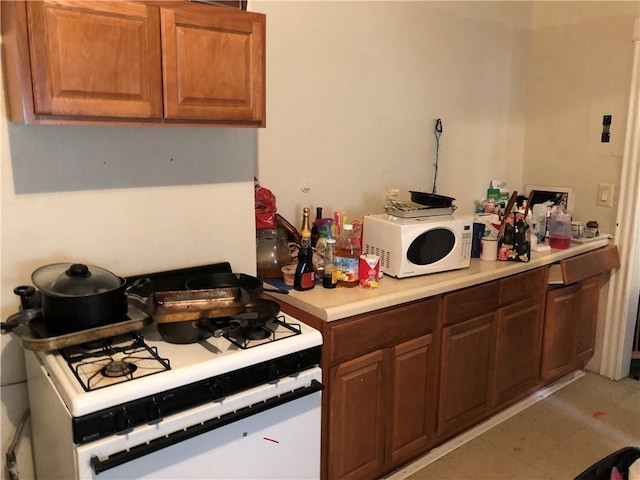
[36,335]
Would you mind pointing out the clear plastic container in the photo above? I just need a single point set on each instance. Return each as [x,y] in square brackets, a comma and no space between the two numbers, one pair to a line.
[560,230]
[329,277]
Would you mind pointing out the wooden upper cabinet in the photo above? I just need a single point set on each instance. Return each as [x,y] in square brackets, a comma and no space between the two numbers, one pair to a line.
[213,65]
[96,59]
[134,62]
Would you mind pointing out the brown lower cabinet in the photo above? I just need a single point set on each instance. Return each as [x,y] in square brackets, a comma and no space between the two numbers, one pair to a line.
[381,410]
[402,380]
[491,350]
[572,311]
[465,381]
[518,350]
[380,373]
[570,327]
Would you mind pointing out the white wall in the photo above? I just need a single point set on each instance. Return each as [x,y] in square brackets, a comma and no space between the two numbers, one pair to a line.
[579,70]
[354,88]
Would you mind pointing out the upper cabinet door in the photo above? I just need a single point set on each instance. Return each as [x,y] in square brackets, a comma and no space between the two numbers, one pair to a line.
[95,59]
[213,64]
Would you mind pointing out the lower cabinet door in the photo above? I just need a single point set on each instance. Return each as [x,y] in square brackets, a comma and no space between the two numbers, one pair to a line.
[356,418]
[518,349]
[559,338]
[465,374]
[588,299]
[412,399]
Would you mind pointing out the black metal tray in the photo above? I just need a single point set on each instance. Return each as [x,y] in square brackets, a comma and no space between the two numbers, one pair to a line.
[431,199]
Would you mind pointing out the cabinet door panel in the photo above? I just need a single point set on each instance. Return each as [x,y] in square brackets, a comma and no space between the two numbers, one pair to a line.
[96,59]
[356,420]
[465,375]
[518,348]
[213,64]
[588,299]
[559,337]
[412,403]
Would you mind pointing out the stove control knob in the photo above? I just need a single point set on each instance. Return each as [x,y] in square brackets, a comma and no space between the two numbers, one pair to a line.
[273,372]
[123,422]
[293,364]
[154,414]
[216,389]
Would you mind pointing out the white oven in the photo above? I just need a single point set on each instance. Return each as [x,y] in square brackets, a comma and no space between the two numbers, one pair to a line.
[211,409]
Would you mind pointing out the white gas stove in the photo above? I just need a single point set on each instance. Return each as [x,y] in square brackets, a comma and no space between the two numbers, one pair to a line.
[136,406]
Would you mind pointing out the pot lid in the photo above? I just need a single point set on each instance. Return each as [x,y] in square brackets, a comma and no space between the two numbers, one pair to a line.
[75,279]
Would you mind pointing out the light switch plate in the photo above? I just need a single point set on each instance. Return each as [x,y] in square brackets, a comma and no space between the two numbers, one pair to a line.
[605,195]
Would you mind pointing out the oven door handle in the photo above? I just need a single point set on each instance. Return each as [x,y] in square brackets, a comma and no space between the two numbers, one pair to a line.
[138,451]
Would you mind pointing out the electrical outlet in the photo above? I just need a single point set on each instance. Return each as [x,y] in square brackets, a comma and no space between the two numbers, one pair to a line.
[605,195]
[607,124]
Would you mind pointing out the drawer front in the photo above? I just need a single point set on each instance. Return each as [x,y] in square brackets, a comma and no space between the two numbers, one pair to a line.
[369,332]
[589,264]
[470,302]
[523,285]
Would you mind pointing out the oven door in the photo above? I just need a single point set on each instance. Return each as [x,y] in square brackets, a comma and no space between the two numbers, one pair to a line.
[277,438]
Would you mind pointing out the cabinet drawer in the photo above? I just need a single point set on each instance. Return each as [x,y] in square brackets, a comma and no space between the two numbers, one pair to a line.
[523,285]
[589,264]
[368,332]
[470,302]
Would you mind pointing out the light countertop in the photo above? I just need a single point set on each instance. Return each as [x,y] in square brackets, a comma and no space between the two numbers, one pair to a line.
[338,303]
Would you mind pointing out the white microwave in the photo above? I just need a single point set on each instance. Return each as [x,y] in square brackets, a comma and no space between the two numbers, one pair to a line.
[416,246]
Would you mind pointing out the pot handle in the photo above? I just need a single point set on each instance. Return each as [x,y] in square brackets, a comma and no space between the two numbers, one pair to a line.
[291,230]
[29,298]
[139,283]
[20,318]
[219,331]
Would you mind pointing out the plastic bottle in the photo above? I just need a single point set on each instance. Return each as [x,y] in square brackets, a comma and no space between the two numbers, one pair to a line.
[329,277]
[347,257]
[560,229]
[304,278]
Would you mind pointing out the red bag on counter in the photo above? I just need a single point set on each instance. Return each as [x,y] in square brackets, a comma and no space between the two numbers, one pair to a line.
[265,207]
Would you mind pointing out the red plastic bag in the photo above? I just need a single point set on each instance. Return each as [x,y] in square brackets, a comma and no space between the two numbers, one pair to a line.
[265,207]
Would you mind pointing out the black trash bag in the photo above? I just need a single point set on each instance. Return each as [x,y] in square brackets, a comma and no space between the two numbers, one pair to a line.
[622,460]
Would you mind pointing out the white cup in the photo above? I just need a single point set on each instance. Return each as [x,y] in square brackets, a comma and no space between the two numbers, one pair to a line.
[488,248]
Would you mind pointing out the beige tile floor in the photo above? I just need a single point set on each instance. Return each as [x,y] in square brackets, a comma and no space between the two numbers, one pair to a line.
[556,438]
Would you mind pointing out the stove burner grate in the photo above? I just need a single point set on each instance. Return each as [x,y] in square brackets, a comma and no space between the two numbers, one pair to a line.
[113,361]
[259,333]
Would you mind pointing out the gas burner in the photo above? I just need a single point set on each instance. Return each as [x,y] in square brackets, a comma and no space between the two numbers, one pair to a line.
[118,368]
[255,333]
[114,360]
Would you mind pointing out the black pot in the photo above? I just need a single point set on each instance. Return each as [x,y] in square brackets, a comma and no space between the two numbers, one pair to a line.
[77,297]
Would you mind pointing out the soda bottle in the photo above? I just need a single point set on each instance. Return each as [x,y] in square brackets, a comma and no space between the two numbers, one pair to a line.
[347,257]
